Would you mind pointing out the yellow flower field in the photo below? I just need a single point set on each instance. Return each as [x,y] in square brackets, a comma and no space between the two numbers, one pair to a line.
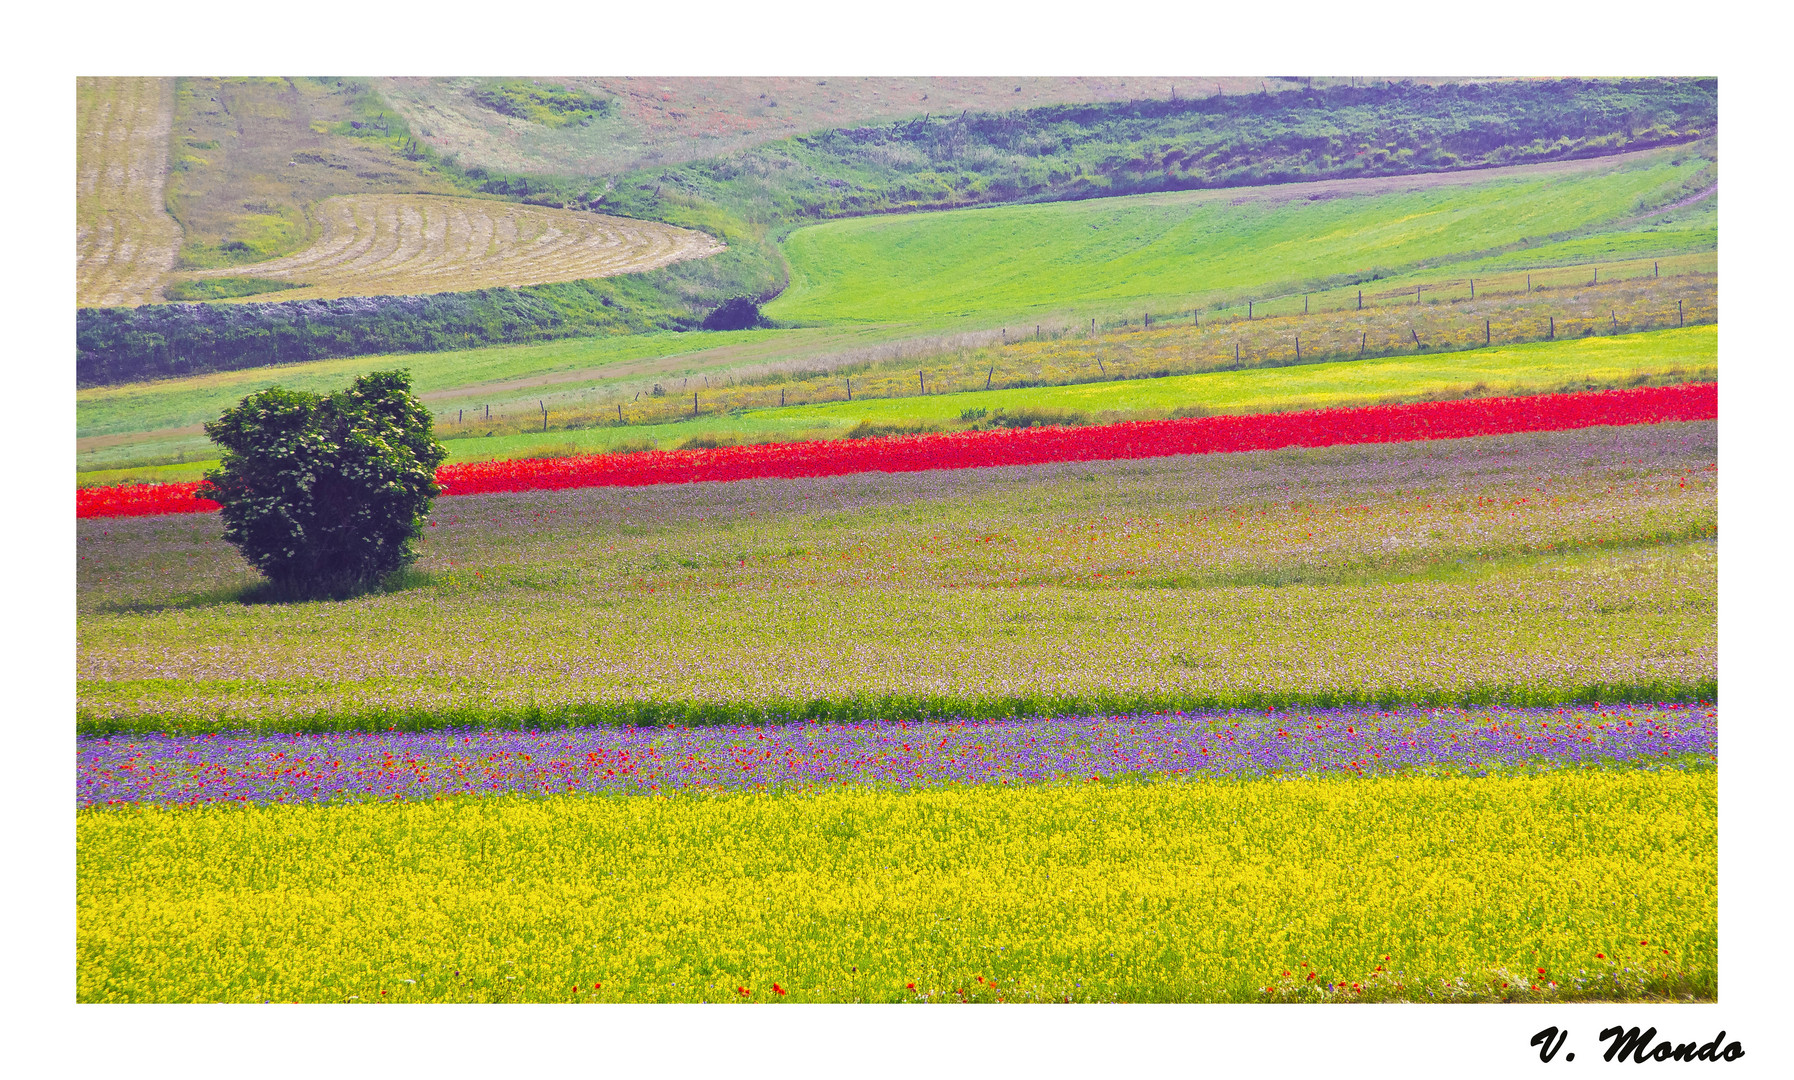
[1409,887]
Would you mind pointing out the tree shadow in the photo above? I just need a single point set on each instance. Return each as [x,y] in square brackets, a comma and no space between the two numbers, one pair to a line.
[273,593]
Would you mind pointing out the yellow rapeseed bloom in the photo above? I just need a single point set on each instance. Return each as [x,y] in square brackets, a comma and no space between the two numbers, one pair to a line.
[1410,887]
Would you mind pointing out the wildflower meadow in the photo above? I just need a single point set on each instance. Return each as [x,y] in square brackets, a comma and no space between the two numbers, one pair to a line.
[1076,543]
[1138,729]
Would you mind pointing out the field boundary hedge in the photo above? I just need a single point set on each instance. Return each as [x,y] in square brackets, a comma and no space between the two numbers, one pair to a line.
[156,341]
[891,708]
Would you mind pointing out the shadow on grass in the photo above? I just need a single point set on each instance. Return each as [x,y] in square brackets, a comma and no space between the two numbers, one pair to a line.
[269,592]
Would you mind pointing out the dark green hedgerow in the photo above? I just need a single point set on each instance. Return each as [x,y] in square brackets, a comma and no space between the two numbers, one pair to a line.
[114,345]
[893,708]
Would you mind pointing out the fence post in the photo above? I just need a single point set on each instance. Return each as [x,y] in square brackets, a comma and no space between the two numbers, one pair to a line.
[1485,331]
[1473,288]
[1298,348]
[1195,318]
[544,409]
[1653,270]
[1551,329]
[1304,305]
[619,412]
[1360,299]
[1416,337]
[1363,339]
[988,374]
[1529,284]
[921,382]
[694,403]
[1678,313]
[1248,311]
[850,387]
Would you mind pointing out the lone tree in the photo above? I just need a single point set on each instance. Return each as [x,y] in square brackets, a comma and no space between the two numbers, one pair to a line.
[326,495]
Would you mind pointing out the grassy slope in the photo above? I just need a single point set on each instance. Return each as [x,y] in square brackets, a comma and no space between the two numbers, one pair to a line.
[1133,892]
[1187,248]
[660,121]
[1556,560]
[178,402]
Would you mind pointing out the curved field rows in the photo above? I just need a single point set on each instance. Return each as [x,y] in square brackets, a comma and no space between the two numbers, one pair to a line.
[379,245]
[125,241]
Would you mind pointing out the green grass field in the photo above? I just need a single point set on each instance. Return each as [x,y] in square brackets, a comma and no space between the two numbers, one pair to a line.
[1194,246]
[1168,891]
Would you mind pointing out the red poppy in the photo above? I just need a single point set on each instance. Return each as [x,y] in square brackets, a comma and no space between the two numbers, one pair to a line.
[1026,446]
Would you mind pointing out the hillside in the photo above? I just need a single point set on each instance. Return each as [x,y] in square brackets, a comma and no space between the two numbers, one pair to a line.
[750,200]
[647,122]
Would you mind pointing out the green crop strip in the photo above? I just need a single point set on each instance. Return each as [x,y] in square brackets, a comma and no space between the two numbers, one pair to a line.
[879,708]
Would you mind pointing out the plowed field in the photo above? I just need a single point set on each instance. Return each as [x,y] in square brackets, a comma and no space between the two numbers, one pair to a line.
[125,241]
[372,245]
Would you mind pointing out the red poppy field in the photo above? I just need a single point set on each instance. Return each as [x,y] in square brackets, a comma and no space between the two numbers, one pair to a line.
[1033,446]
